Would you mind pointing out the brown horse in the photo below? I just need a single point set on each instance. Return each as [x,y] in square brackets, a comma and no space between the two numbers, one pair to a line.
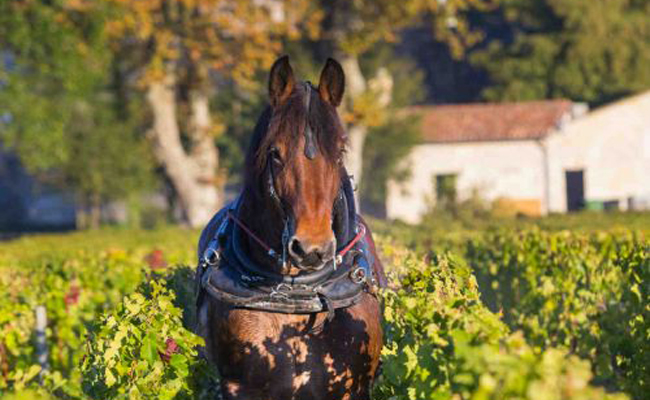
[286,304]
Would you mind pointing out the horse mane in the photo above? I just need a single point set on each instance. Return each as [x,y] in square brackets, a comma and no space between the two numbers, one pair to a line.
[290,119]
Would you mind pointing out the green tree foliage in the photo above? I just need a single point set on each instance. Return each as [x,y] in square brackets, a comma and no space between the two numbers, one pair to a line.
[44,73]
[356,26]
[62,116]
[110,159]
[392,139]
[386,147]
[585,50]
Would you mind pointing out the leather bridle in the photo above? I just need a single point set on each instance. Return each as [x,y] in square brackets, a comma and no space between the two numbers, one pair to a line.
[289,224]
[228,274]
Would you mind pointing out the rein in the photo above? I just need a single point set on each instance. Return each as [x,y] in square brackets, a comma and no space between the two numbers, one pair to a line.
[273,254]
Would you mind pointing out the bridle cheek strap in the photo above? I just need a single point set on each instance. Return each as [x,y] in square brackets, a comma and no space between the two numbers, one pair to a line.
[289,225]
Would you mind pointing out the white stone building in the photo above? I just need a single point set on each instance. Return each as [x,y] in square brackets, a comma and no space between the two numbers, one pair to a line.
[536,157]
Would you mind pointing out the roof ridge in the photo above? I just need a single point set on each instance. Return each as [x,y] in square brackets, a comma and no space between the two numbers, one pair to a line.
[478,122]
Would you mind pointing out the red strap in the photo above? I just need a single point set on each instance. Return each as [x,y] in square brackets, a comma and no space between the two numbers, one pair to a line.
[250,233]
[359,236]
[348,247]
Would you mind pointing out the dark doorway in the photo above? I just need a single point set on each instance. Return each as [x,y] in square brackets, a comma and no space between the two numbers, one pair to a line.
[446,190]
[575,190]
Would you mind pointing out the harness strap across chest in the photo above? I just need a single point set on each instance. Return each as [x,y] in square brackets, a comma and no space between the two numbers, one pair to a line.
[227,274]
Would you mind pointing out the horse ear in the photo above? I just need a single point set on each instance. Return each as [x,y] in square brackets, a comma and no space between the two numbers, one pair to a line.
[332,82]
[281,81]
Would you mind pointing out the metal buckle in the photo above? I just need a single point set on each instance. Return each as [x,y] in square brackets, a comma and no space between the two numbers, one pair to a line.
[211,255]
[278,292]
[272,254]
[286,286]
[358,275]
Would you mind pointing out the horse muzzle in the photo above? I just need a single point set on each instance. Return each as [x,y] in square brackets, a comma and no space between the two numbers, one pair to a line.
[309,257]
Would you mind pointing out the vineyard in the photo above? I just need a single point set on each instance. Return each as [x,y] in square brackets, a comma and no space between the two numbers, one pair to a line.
[512,313]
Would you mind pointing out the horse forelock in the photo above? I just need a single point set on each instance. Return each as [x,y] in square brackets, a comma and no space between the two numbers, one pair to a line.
[285,126]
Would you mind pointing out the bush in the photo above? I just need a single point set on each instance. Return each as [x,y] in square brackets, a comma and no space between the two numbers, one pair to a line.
[589,294]
[112,335]
[142,350]
[74,292]
[77,278]
[442,343]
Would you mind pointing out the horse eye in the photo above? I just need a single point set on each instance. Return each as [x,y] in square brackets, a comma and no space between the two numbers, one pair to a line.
[275,156]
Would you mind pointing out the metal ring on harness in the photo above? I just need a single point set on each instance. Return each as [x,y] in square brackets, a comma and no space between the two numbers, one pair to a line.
[211,256]
[338,259]
[358,275]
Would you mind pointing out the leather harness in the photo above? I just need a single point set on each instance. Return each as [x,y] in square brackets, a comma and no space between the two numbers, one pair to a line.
[227,274]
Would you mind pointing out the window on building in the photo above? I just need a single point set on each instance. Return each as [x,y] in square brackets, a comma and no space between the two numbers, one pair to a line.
[446,194]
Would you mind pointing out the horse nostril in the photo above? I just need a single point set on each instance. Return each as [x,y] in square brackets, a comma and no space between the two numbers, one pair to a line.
[296,248]
[311,256]
[322,253]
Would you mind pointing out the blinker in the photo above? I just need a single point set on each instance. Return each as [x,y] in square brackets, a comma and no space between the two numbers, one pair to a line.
[311,150]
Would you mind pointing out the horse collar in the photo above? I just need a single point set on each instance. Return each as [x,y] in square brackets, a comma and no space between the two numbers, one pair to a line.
[226,272]
[311,150]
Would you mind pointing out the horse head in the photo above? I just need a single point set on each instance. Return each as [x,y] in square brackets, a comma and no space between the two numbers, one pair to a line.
[294,165]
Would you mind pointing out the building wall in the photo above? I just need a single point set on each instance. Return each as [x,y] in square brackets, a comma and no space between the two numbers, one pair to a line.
[511,170]
[612,146]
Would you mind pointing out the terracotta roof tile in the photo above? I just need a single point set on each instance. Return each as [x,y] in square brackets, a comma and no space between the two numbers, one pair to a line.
[491,121]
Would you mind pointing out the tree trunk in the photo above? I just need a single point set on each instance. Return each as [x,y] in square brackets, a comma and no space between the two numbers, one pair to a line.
[192,175]
[382,86]
[355,86]
[204,152]
[95,219]
[81,213]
